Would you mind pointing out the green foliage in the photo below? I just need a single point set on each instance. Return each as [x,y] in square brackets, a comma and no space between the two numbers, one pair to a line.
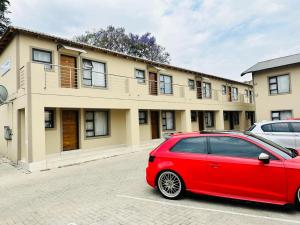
[4,21]
[115,39]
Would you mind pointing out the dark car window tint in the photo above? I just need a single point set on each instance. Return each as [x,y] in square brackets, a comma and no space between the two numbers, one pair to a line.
[280,127]
[296,127]
[234,147]
[267,128]
[193,145]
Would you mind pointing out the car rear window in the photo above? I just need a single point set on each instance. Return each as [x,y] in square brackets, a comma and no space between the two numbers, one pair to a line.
[251,128]
[296,126]
[192,145]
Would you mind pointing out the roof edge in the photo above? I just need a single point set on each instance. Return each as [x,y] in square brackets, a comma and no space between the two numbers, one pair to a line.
[6,38]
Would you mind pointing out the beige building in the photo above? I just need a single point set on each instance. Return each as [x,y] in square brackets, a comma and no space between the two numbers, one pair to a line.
[276,86]
[64,95]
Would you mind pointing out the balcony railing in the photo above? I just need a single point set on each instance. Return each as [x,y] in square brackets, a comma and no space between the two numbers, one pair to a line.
[53,77]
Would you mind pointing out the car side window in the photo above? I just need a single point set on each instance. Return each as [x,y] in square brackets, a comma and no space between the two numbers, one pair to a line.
[267,128]
[280,127]
[234,147]
[296,127]
[191,145]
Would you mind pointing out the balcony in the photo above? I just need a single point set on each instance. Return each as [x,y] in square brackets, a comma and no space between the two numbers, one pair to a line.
[58,79]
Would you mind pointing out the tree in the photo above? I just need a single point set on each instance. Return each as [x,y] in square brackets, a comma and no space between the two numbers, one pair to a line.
[4,21]
[115,39]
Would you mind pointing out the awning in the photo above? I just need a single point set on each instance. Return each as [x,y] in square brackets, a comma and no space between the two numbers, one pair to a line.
[71,48]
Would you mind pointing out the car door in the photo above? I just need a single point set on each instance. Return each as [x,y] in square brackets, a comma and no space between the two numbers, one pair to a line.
[296,129]
[234,170]
[188,157]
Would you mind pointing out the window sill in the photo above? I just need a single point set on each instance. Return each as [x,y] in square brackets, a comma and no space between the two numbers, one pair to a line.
[97,137]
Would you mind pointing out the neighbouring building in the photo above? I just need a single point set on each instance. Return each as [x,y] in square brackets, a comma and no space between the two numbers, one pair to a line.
[65,95]
[276,87]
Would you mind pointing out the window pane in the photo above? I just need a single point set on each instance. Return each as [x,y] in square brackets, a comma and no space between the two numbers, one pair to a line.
[273,86]
[101,123]
[283,84]
[98,74]
[169,121]
[296,127]
[89,115]
[280,127]
[272,80]
[267,128]
[89,125]
[41,56]
[140,75]
[234,147]
[285,115]
[193,145]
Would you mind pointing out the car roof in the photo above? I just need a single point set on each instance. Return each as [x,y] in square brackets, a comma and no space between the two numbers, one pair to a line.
[277,121]
[205,134]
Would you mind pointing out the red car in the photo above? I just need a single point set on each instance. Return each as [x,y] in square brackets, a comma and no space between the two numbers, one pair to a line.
[232,165]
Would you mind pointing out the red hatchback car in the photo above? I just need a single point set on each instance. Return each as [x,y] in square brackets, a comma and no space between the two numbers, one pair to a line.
[232,165]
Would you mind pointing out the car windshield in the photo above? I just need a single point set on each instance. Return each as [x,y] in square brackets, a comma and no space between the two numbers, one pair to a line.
[282,149]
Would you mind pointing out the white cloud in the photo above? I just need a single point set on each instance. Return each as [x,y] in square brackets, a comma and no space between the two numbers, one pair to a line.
[221,37]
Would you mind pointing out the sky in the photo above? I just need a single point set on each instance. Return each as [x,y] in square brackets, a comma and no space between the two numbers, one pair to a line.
[219,37]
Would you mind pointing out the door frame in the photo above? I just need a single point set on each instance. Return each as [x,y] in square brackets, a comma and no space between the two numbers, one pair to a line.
[62,129]
[158,123]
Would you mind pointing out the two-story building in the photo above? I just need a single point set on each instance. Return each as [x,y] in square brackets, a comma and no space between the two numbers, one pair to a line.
[276,86]
[65,95]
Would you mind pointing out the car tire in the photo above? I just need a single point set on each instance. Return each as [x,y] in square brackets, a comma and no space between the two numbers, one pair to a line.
[170,185]
[298,199]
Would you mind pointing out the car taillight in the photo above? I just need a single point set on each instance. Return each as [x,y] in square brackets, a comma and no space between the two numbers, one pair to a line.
[151,158]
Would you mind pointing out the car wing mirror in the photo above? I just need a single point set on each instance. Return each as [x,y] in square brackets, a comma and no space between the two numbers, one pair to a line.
[265,158]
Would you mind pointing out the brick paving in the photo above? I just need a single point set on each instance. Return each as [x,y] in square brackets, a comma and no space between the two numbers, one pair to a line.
[114,191]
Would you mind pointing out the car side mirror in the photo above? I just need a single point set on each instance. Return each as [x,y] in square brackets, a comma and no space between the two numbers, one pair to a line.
[265,158]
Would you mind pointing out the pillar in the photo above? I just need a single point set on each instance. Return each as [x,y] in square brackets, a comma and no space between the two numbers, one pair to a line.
[132,127]
[219,120]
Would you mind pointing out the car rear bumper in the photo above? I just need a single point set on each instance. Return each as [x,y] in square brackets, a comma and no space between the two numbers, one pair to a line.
[150,176]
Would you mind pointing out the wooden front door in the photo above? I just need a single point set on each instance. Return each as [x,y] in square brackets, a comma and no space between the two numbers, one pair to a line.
[199,89]
[229,94]
[201,120]
[153,83]
[155,124]
[68,72]
[70,129]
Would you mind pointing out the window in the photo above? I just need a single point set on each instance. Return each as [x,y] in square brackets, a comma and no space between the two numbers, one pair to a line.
[246,93]
[49,118]
[168,120]
[276,127]
[42,56]
[143,117]
[206,90]
[96,123]
[192,145]
[193,116]
[233,147]
[191,84]
[94,73]
[281,115]
[235,94]
[224,90]
[166,84]
[296,127]
[279,84]
[209,119]
[280,127]
[140,76]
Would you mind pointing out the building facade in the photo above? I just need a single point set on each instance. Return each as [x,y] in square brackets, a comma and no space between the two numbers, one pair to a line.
[65,95]
[276,83]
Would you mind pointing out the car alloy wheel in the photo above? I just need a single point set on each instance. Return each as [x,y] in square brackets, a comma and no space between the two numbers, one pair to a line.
[170,185]
[298,197]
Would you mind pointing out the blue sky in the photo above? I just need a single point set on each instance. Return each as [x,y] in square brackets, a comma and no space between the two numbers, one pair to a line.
[220,37]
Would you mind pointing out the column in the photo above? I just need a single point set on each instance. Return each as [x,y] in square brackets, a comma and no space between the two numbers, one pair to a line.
[219,120]
[242,118]
[132,127]
[186,123]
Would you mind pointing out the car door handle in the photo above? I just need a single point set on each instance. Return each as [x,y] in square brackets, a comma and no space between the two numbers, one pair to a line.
[214,165]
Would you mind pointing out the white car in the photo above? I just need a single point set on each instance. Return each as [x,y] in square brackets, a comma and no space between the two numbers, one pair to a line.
[283,132]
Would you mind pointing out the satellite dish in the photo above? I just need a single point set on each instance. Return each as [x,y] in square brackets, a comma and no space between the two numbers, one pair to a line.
[3,94]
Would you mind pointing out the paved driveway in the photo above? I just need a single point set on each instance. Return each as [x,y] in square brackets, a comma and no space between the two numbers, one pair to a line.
[114,191]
